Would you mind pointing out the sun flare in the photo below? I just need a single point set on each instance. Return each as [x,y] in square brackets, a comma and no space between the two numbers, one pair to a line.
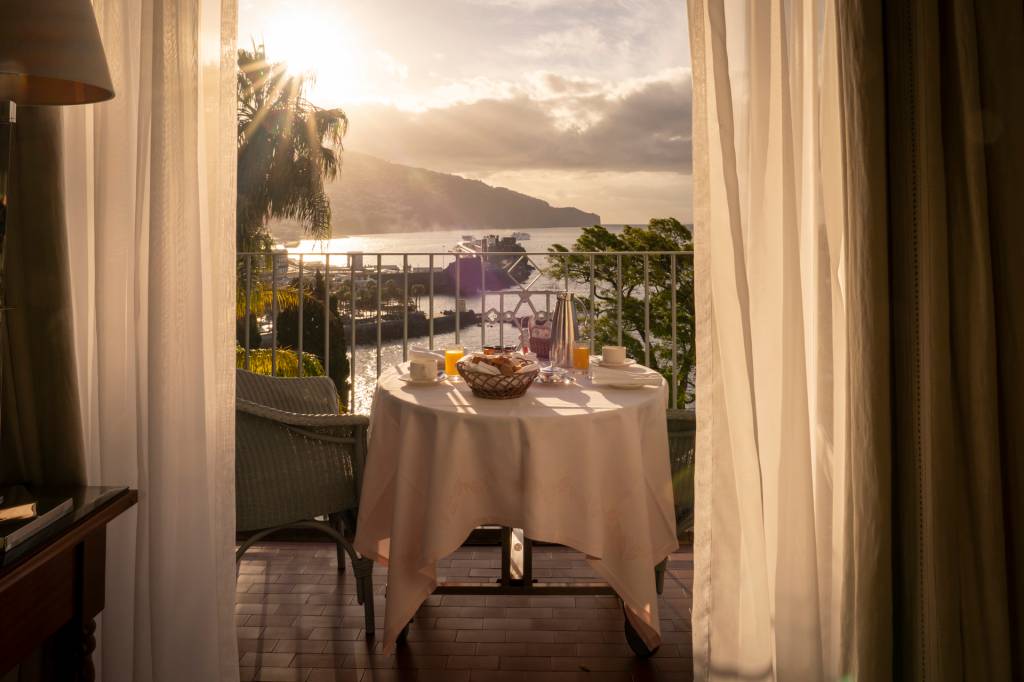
[321,47]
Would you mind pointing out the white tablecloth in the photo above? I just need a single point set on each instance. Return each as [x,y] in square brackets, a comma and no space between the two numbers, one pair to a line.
[580,466]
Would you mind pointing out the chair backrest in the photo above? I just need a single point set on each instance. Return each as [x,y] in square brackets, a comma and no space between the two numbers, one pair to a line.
[308,395]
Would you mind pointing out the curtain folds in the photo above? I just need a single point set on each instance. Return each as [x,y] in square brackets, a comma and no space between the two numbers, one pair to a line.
[956,158]
[860,446]
[792,528]
[150,183]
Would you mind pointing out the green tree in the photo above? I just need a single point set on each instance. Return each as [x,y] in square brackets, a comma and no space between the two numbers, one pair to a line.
[287,149]
[313,331]
[661,234]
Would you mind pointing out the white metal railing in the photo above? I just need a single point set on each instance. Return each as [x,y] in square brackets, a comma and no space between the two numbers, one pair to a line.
[349,272]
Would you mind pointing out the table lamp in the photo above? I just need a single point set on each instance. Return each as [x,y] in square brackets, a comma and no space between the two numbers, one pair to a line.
[50,54]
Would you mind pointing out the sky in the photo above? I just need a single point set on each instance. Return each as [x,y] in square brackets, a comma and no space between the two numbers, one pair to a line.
[581,103]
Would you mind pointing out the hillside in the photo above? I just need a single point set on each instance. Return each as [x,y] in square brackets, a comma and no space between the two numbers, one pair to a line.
[373,196]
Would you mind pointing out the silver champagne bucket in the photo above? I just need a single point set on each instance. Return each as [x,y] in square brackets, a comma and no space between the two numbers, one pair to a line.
[564,330]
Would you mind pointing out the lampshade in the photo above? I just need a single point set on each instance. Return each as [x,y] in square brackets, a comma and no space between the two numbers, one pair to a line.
[51,53]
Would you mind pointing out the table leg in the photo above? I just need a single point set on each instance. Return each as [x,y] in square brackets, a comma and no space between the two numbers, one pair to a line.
[516,558]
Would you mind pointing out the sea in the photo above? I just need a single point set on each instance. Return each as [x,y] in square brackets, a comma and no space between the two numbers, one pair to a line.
[410,247]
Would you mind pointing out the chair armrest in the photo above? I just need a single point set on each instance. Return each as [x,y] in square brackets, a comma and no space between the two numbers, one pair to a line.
[300,420]
[319,427]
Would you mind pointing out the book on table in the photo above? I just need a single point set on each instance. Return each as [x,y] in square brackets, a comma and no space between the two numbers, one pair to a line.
[23,515]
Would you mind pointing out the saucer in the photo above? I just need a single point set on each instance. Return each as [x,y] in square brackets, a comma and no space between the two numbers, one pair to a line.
[601,362]
[407,378]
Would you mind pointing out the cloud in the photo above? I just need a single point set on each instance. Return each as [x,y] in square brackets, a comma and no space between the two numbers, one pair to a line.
[551,122]
[576,40]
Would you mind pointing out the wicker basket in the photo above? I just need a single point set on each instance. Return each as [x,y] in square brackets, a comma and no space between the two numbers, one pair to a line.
[497,386]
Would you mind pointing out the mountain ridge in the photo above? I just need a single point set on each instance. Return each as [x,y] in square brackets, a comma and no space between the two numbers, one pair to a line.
[375,196]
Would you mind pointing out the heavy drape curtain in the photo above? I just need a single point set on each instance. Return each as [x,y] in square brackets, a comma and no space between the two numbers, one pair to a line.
[42,440]
[792,450]
[859,446]
[149,181]
[955,107]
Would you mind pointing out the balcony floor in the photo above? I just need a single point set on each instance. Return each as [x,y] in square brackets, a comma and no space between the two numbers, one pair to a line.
[298,620]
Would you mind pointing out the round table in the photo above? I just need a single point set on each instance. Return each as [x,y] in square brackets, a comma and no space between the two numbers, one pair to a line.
[577,465]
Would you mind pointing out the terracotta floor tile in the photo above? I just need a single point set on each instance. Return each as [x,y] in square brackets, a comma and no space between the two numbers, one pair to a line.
[525,663]
[245,645]
[255,659]
[480,636]
[332,675]
[526,649]
[319,660]
[299,620]
[472,662]
[281,675]
[399,675]
[305,646]
[530,636]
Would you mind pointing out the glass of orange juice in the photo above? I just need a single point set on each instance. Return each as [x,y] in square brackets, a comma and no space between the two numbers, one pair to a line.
[581,356]
[452,354]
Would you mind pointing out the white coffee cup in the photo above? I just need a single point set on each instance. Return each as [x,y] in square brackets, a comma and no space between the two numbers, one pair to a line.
[422,369]
[614,355]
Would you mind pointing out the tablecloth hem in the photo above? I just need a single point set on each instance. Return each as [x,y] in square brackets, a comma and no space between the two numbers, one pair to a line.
[649,632]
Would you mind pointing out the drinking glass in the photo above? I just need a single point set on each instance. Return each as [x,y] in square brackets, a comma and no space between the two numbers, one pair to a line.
[581,356]
[452,354]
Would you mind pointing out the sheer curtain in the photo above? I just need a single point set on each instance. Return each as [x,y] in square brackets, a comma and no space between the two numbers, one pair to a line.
[150,212]
[792,531]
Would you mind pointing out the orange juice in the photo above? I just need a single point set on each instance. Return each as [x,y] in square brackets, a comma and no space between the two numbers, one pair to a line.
[452,354]
[581,356]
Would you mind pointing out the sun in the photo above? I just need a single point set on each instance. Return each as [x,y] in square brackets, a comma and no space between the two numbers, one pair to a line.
[320,46]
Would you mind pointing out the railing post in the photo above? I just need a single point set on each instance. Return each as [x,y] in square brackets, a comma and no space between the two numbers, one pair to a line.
[618,289]
[379,285]
[352,332]
[647,312]
[405,308]
[458,296]
[302,292]
[248,305]
[483,296]
[675,365]
[593,308]
[430,323]
[273,314]
[327,315]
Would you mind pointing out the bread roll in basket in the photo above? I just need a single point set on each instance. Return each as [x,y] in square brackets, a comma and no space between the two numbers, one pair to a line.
[497,377]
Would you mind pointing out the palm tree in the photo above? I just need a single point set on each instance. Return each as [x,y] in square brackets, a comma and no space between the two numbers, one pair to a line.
[417,291]
[287,149]
[390,294]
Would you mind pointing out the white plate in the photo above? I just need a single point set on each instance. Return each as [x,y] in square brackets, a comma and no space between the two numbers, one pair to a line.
[600,362]
[407,378]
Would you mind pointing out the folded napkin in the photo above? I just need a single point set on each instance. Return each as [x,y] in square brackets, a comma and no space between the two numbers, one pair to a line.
[634,375]
[418,352]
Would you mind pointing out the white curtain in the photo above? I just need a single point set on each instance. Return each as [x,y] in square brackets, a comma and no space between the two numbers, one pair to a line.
[150,212]
[792,545]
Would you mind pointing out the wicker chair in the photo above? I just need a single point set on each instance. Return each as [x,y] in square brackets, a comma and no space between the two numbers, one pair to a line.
[297,459]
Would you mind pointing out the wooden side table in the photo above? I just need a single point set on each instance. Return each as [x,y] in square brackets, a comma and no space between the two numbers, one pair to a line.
[51,594]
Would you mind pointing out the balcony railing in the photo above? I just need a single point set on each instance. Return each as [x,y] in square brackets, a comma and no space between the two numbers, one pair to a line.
[389,301]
